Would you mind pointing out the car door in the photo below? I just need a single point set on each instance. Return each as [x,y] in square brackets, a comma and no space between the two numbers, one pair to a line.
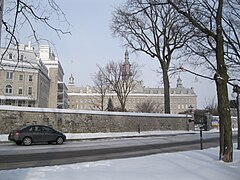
[48,134]
[37,134]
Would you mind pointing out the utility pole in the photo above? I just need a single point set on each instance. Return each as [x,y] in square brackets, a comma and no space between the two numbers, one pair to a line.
[235,94]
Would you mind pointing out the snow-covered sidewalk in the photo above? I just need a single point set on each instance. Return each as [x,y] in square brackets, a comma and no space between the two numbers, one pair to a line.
[192,165]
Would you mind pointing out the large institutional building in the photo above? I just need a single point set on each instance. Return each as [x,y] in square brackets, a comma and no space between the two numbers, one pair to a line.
[31,79]
[86,98]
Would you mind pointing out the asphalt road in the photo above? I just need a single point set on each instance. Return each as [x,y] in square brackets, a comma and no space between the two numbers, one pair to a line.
[13,156]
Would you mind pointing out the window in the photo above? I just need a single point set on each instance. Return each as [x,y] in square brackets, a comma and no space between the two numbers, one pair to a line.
[46,129]
[21,103]
[20,77]
[35,129]
[8,89]
[30,78]
[20,91]
[29,90]
[8,102]
[9,75]
[10,56]
[21,57]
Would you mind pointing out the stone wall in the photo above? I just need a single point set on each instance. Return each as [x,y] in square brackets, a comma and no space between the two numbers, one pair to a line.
[75,121]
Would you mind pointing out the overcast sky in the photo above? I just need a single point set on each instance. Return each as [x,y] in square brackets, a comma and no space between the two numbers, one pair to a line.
[92,43]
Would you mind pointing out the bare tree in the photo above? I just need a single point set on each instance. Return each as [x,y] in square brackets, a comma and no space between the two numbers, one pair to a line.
[22,16]
[120,80]
[207,18]
[149,106]
[212,107]
[154,30]
[202,50]
[101,87]
[231,31]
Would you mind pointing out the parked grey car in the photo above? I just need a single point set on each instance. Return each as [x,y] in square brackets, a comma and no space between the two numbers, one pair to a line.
[36,134]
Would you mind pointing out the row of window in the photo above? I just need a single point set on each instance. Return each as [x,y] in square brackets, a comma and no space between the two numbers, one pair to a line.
[134,100]
[9,76]
[17,102]
[180,105]
[9,90]
[76,101]
[10,56]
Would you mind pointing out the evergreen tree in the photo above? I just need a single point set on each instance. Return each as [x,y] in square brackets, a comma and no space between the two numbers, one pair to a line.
[110,106]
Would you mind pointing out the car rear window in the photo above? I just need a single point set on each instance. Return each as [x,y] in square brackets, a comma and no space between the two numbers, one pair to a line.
[24,128]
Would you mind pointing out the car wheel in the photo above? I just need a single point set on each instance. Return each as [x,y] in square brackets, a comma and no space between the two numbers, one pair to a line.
[27,141]
[59,140]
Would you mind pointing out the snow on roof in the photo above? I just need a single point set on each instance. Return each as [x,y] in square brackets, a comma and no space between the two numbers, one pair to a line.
[17,97]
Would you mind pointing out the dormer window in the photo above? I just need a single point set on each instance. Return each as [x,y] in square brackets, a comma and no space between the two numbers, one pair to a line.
[10,56]
[21,57]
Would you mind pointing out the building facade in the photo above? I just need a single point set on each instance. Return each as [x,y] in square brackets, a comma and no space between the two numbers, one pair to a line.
[86,98]
[58,89]
[32,79]
[24,78]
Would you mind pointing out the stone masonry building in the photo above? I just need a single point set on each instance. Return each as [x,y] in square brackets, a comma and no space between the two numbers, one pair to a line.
[31,79]
[24,78]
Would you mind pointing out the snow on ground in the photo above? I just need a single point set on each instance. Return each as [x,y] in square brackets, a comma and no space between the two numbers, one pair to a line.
[194,165]
[4,137]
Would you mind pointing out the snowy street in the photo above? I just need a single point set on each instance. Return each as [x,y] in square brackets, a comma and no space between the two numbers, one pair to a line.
[75,151]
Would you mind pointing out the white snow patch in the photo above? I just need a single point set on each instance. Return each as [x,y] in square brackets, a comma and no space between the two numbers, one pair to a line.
[195,165]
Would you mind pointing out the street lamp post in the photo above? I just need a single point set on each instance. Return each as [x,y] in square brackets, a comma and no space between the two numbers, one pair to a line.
[191,113]
[235,94]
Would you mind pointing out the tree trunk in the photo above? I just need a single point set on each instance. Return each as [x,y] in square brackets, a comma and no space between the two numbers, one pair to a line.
[221,79]
[122,101]
[166,91]
[123,104]
[226,148]
[102,103]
